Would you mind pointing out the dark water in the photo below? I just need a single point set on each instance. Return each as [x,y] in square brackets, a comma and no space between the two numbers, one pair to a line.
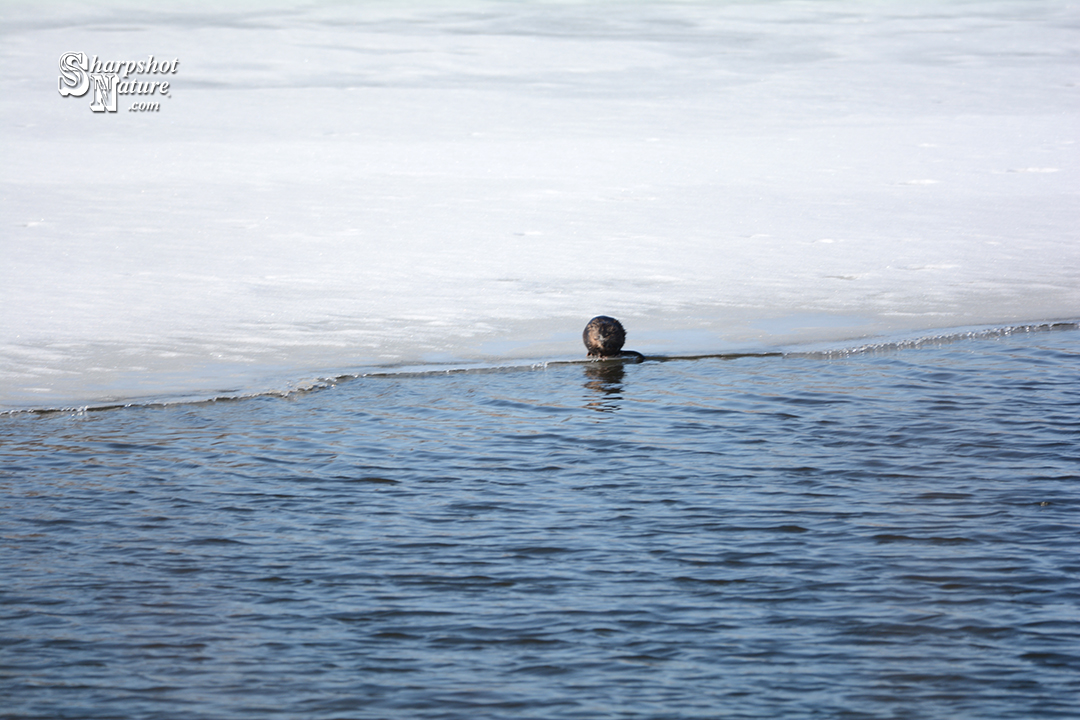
[880,535]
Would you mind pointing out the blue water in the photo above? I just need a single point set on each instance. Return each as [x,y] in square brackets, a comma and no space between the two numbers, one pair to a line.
[889,533]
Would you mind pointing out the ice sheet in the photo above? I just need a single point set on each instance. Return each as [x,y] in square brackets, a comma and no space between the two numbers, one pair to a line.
[332,187]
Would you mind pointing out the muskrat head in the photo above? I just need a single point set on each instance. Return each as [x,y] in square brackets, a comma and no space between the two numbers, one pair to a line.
[604,336]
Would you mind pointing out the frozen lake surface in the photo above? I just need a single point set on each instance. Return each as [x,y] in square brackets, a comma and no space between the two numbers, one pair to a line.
[332,188]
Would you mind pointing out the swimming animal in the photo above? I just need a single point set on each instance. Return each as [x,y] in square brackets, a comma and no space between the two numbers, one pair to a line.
[604,337]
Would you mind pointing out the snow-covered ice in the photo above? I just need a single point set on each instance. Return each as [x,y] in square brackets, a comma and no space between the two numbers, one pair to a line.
[331,187]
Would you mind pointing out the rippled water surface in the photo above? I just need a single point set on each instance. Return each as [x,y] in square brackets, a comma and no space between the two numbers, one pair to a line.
[885,534]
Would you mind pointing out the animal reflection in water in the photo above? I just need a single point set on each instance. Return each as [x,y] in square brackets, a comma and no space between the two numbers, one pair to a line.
[605,380]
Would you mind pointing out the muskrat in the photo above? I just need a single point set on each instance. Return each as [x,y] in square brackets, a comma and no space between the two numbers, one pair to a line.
[604,337]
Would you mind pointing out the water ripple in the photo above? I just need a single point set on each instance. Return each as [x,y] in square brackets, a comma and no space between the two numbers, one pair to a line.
[879,534]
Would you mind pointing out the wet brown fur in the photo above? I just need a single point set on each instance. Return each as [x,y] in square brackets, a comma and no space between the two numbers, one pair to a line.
[604,336]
